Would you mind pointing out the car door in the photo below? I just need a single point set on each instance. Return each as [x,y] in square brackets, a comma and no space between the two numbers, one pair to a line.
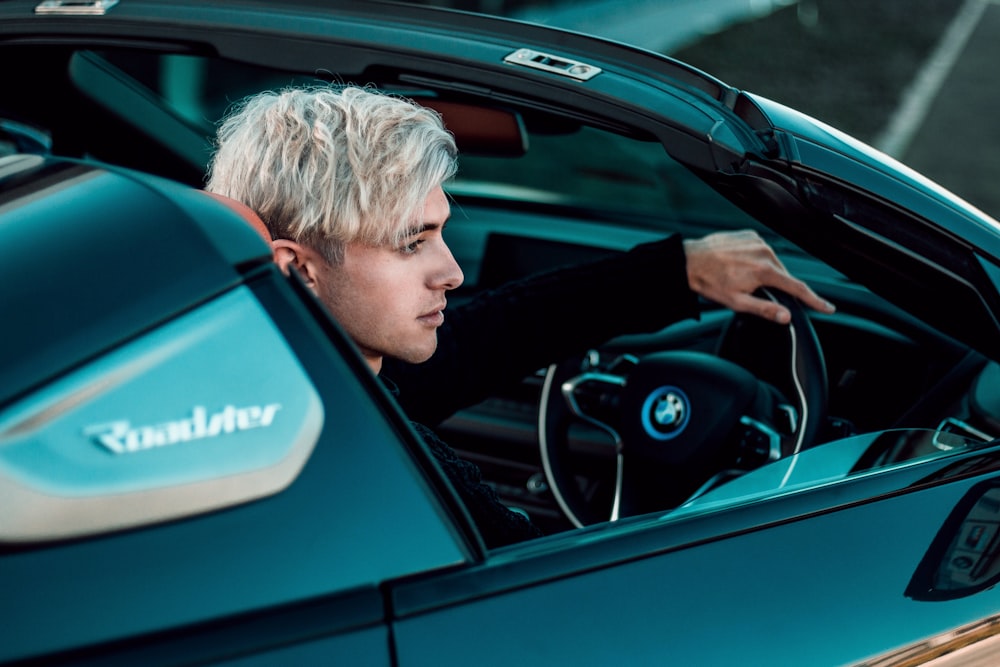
[876,570]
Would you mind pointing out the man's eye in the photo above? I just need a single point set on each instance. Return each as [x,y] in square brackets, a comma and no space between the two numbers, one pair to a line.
[411,248]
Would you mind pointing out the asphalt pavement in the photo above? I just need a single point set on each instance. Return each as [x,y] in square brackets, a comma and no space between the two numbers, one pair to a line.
[650,24]
[946,126]
[957,141]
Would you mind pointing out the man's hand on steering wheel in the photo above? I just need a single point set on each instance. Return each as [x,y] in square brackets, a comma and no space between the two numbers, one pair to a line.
[728,267]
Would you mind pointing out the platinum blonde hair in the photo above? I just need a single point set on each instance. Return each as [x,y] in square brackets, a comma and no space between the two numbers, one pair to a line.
[326,166]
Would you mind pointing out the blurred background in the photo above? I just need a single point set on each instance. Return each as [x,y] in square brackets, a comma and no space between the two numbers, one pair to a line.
[917,79]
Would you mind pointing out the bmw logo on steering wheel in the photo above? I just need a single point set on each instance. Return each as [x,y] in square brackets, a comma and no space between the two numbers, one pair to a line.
[665,413]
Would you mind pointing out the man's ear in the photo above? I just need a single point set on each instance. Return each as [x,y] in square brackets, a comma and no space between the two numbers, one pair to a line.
[288,254]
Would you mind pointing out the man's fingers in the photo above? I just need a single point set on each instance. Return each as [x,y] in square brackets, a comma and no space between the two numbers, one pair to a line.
[761,307]
[803,293]
[728,267]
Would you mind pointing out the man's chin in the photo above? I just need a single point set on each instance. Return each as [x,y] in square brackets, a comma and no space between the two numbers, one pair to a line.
[419,356]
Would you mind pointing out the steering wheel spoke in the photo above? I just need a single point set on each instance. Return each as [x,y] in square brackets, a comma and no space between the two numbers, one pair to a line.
[595,398]
[759,444]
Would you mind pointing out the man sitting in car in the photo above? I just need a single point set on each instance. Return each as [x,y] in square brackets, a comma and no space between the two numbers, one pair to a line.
[349,183]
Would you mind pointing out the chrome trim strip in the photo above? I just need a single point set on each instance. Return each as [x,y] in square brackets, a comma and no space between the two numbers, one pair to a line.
[616,505]
[567,389]
[800,392]
[544,449]
[75,7]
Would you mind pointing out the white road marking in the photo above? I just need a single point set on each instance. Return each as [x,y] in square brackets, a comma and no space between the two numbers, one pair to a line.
[918,97]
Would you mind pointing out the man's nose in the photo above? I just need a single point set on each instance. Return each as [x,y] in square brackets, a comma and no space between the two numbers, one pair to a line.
[450,273]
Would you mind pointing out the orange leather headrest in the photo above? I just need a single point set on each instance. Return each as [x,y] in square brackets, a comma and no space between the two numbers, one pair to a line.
[246,213]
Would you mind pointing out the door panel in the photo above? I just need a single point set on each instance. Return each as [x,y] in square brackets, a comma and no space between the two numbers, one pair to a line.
[825,590]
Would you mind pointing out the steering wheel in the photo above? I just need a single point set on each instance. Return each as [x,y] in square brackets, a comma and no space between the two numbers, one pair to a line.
[682,422]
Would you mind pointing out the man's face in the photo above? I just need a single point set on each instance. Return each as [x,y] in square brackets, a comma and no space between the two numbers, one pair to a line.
[390,301]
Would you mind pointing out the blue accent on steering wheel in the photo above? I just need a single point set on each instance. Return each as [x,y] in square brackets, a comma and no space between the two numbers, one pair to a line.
[665,413]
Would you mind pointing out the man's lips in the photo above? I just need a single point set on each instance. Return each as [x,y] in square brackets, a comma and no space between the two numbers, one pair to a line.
[433,318]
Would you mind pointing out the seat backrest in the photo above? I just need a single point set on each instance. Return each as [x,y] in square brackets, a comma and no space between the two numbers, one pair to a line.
[245,212]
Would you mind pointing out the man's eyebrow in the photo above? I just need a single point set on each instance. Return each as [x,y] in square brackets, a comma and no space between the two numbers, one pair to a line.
[426,227]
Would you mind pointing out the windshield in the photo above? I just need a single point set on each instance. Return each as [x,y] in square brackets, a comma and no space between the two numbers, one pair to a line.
[591,168]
